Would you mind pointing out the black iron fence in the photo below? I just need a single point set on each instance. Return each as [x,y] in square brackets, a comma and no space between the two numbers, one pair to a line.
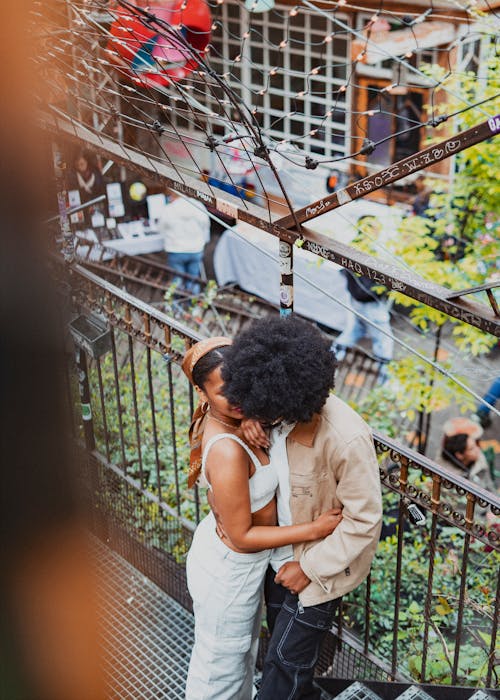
[429,609]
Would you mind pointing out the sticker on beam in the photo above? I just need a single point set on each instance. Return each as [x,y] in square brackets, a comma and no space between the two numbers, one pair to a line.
[226,208]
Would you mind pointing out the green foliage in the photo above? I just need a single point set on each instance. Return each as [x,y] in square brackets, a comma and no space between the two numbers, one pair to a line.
[381,409]
[162,462]
[458,245]
[414,391]
[466,211]
[442,616]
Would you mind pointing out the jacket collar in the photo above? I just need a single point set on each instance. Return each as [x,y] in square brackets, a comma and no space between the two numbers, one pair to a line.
[305,433]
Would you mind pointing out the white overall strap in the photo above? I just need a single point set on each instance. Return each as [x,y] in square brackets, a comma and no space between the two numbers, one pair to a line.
[219,436]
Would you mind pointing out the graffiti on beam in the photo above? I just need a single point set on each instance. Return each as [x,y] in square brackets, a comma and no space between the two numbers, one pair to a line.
[318,209]
[320,250]
[397,286]
[378,180]
[494,124]
[204,197]
[404,168]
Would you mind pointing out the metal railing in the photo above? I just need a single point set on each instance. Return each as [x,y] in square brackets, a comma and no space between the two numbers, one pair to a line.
[430,606]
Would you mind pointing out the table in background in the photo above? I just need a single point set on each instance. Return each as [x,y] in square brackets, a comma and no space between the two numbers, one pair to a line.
[249,257]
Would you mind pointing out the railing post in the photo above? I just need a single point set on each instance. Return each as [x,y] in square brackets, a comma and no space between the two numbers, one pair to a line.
[403,481]
[469,521]
[83,382]
[428,414]
[286,278]
[68,241]
[435,501]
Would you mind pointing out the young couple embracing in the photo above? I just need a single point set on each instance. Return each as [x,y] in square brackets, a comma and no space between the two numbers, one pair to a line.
[294,489]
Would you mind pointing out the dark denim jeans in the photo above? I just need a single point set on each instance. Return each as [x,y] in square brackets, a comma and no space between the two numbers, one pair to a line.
[189,263]
[296,636]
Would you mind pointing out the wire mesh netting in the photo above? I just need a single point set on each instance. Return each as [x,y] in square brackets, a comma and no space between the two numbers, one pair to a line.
[272,110]
[254,99]
[146,635]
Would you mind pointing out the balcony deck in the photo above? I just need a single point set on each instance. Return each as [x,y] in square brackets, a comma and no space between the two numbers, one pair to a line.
[147,636]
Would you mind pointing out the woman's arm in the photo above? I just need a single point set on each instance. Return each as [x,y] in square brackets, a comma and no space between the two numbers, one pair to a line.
[227,472]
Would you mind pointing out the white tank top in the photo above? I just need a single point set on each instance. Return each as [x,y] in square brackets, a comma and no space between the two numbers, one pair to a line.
[263,482]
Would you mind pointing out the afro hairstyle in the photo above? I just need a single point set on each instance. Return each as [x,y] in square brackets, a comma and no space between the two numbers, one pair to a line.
[279,368]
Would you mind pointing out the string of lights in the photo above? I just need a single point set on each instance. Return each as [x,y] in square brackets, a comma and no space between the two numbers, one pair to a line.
[269,95]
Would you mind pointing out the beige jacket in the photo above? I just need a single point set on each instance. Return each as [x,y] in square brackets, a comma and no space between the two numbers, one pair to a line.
[333,464]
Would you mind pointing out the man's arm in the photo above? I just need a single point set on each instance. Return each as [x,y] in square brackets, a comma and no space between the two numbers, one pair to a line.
[358,489]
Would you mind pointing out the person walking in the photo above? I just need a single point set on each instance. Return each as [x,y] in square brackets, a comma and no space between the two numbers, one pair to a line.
[281,372]
[366,301]
[491,397]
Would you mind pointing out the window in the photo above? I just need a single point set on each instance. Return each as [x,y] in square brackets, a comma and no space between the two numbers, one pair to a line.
[276,96]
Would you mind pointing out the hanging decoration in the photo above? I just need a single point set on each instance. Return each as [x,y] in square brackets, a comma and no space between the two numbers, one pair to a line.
[155,55]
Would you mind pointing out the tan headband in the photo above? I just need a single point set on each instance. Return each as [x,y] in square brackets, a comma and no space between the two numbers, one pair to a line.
[198,350]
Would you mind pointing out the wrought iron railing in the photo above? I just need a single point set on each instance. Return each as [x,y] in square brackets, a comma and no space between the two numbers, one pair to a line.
[430,606]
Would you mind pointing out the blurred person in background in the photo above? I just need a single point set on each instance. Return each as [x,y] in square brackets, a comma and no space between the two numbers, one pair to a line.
[461,452]
[86,177]
[367,299]
[185,225]
[491,397]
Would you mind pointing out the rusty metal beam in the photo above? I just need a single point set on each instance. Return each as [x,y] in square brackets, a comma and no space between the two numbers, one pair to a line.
[392,276]
[418,161]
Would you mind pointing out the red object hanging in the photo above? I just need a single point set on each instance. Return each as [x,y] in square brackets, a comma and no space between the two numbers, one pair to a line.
[151,54]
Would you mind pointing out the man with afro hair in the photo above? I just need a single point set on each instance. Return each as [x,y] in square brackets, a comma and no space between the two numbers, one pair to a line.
[280,371]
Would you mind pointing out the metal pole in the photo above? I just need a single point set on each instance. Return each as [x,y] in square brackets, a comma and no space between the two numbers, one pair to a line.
[83,382]
[286,278]
[428,416]
[68,242]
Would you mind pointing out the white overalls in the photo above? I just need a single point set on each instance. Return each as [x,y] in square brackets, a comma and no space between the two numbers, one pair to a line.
[226,588]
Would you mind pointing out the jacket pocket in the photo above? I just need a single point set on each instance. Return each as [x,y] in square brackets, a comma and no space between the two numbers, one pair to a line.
[302,486]
[300,642]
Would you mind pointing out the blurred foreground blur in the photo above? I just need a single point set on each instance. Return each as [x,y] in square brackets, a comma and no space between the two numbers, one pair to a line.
[48,622]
